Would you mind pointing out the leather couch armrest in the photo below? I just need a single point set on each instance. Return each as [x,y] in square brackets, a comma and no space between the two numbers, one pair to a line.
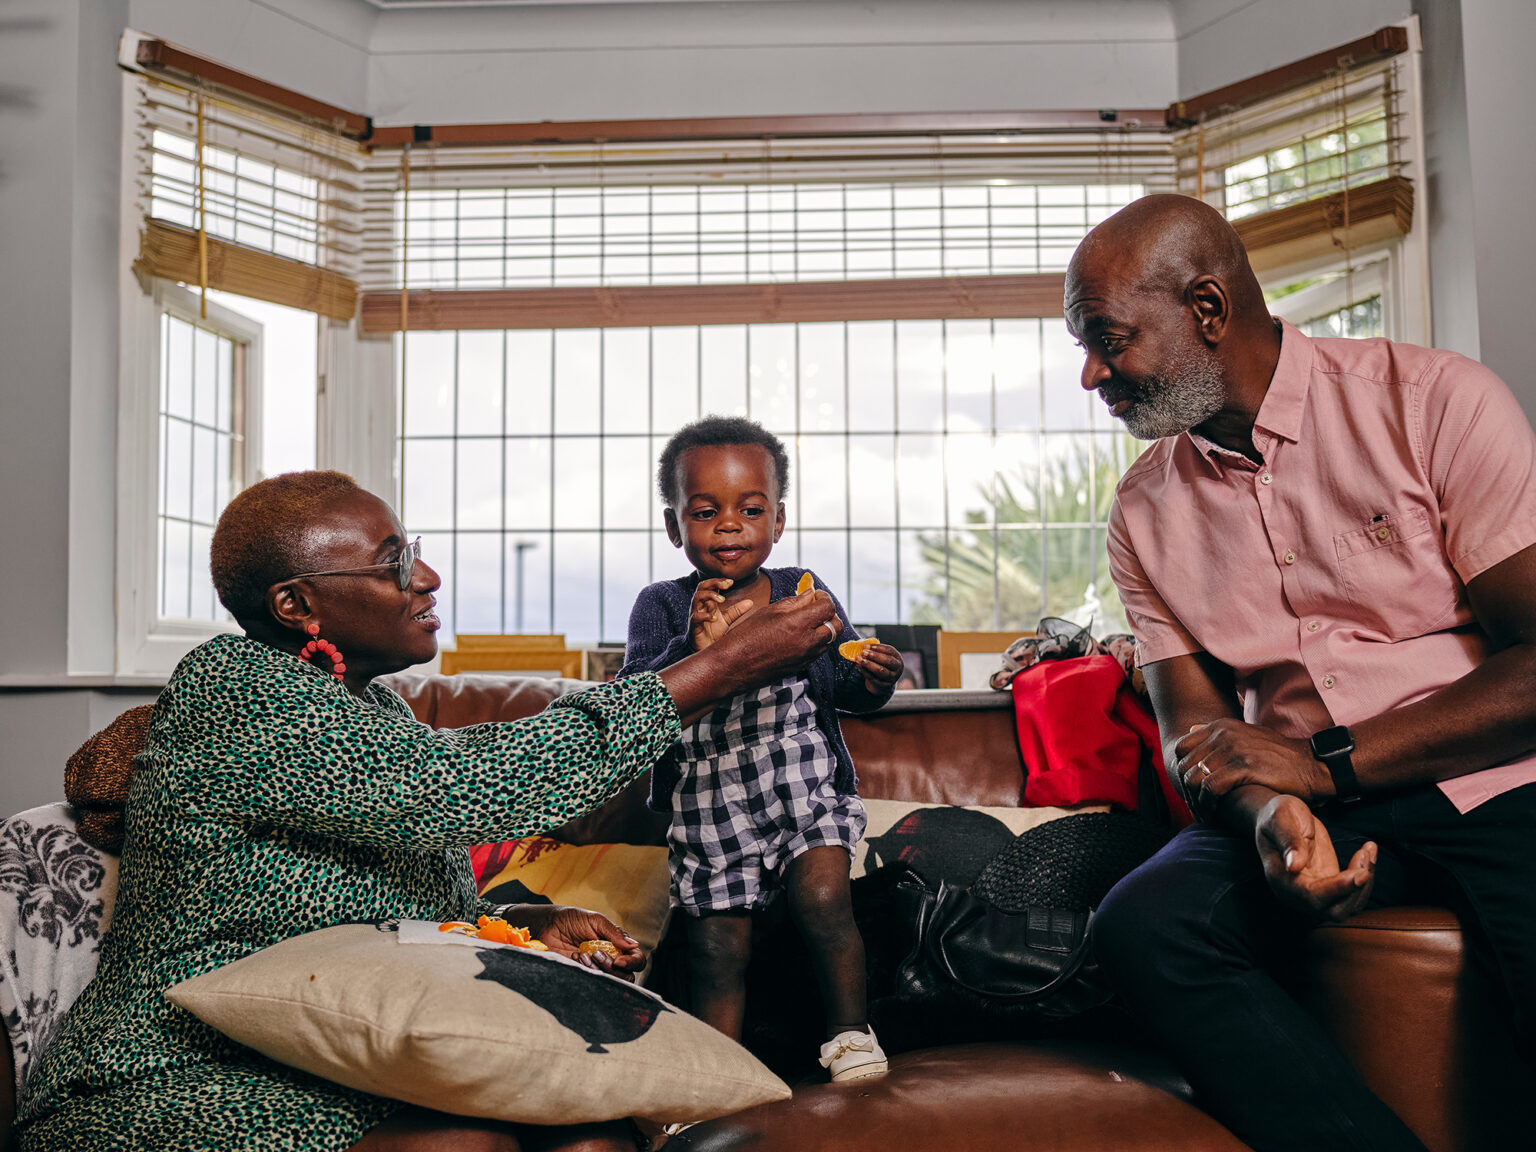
[1423,1028]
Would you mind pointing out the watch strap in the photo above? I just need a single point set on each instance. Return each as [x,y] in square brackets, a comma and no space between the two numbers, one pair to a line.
[1333,747]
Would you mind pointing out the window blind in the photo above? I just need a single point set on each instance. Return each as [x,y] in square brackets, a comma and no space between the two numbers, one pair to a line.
[1319,167]
[500,228]
[245,200]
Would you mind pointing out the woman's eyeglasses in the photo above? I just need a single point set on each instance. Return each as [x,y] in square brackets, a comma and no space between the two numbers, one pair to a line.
[404,565]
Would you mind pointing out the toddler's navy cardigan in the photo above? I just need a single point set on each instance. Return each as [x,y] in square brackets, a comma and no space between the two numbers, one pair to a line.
[658,637]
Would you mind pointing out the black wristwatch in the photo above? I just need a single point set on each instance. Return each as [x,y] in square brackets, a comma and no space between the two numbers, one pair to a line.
[1332,746]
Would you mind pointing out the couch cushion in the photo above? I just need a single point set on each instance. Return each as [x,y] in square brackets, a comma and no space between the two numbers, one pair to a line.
[975,1096]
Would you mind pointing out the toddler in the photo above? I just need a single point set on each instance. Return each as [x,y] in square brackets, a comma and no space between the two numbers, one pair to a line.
[761,791]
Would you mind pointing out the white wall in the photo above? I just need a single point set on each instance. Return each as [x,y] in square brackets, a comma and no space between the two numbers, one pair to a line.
[318,47]
[39,200]
[639,61]
[1448,180]
[1225,40]
[1497,37]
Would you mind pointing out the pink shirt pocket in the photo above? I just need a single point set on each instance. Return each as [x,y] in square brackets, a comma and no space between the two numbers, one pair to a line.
[1394,571]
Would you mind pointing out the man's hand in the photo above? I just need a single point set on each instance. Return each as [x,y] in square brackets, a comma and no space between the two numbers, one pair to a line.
[563,928]
[1302,867]
[708,616]
[882,666]
[1214,759]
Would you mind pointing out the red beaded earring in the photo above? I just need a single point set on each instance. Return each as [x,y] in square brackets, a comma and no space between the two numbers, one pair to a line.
[318,645]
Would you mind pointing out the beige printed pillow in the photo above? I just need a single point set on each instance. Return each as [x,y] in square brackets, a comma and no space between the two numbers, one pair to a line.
[478,1029]
[945,841]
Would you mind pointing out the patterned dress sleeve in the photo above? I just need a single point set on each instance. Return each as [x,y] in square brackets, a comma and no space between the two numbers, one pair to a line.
[295,749]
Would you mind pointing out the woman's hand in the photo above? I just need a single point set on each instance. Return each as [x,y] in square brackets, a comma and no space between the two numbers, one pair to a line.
[562,928]
[763,645]
[882,666]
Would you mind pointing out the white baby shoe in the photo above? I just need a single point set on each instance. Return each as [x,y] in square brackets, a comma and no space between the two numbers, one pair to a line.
[853,1056]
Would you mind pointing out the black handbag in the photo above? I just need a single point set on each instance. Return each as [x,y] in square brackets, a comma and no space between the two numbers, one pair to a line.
[1011,958]
[957,968]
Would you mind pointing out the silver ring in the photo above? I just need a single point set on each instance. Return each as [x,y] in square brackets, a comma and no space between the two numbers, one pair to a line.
[830,627]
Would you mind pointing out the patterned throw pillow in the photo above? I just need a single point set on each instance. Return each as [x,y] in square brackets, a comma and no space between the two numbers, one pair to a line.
[476,1029]
[625,882]
[56,898]
[945,841]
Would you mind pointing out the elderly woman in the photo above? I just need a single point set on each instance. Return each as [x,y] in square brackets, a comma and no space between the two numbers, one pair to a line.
[282,791]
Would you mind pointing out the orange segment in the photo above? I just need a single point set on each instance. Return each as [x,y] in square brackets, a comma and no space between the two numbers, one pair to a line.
[854,648]
[805,585]
[587,947]
[498,931]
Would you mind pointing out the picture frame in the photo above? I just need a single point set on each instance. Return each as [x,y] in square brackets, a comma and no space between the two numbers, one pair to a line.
[968,659]
[601,663]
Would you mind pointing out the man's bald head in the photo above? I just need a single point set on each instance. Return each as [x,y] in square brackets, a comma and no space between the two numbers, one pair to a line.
[1162,244]
[1171,319]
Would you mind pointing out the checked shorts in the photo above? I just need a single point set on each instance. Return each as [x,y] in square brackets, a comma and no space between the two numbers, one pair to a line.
[755,791]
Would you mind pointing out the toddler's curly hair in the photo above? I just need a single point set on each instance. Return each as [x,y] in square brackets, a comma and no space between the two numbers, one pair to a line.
[712,431]
[259,539]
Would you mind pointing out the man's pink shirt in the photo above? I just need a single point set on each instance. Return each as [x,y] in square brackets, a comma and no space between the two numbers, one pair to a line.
[1332,578]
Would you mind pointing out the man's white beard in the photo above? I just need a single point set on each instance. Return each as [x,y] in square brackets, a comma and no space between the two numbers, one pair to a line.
[1191,394]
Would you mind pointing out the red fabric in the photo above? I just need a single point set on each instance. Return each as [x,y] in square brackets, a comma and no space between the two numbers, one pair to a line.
[489,859]
[1084,734]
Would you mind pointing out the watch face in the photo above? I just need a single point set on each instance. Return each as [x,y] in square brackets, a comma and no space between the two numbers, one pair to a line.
[1332,742]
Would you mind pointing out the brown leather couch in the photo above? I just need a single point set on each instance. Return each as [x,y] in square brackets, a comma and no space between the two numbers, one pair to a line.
[1392,985]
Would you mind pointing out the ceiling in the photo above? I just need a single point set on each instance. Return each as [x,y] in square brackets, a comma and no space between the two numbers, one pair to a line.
[394,4]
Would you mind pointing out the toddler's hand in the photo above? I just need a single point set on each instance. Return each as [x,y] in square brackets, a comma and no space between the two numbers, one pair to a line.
[882,666]
[708,616]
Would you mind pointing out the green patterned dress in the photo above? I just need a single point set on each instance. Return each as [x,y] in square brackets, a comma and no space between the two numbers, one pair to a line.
[269,802]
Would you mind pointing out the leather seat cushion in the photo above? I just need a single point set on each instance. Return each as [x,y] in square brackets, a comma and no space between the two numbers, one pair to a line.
[1066,1099]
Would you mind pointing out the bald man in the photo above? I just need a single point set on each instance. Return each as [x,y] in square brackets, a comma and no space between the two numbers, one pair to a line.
[1329,559]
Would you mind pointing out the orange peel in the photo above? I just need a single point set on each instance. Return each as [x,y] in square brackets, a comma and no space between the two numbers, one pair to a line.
[853,649]
[805,585]
[498,931]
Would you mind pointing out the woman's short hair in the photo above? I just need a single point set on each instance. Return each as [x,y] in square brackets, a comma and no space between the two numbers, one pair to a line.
[260,537]
[714,431]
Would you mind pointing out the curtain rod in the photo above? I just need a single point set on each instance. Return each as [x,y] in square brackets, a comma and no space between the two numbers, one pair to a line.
[1379,45]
